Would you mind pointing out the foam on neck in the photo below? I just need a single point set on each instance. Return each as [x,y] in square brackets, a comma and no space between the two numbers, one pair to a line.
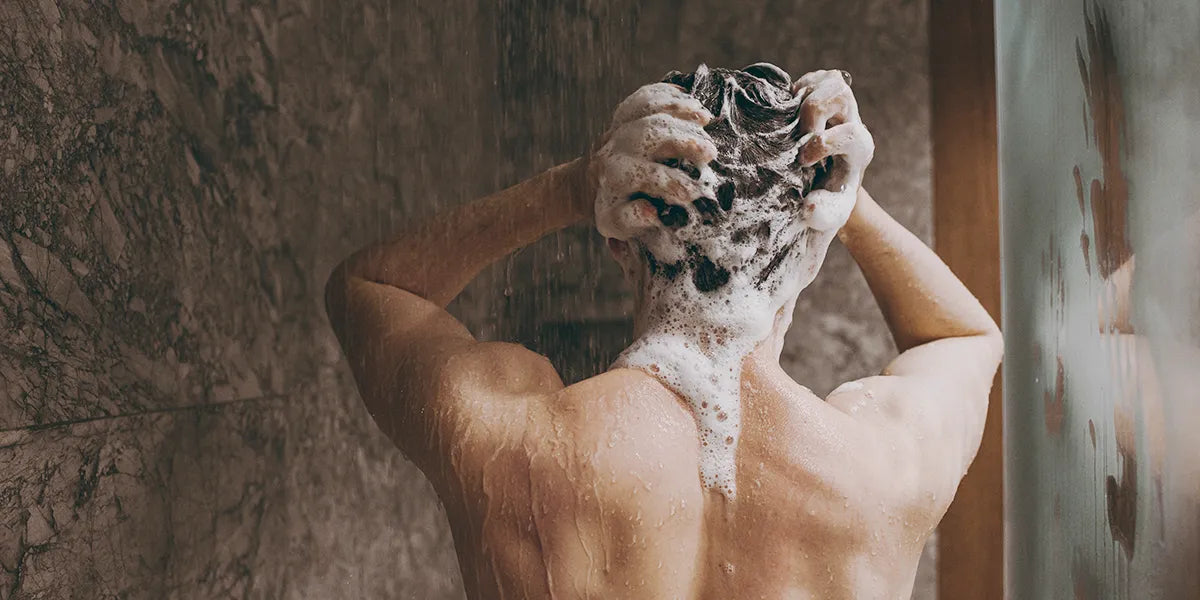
[696,346]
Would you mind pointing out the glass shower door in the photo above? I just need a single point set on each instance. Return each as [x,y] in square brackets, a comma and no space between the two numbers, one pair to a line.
[1099,109]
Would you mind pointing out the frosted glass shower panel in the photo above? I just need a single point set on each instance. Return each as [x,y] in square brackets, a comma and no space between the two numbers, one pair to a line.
[1100,191]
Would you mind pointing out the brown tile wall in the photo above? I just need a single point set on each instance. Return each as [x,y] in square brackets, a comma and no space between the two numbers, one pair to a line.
[179,177]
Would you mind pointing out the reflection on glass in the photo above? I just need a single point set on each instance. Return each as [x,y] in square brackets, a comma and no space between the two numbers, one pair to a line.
[1100,190]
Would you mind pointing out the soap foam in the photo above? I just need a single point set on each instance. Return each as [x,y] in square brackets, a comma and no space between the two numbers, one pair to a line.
[714,255]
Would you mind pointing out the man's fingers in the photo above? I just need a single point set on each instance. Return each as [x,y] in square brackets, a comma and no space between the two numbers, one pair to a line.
[660,98]
[671,185]
[636,196]
[659,136]
[626,176]
[828,100]
[829,104]
[694,151]
[813,78]
[633,217]
[851,141]
[850,146]
[829,113]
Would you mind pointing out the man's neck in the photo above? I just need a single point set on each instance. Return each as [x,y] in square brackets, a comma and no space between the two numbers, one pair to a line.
[653,320]
[699,355]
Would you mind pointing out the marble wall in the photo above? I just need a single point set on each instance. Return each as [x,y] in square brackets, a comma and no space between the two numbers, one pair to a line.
[178,179]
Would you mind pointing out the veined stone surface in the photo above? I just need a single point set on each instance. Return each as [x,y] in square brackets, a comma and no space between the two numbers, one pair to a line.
[178,178]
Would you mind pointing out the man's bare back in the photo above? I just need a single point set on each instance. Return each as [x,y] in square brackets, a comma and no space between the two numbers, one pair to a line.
[592,490]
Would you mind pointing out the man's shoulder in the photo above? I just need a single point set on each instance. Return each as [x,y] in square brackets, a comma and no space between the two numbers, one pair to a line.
[615,395]
[499,368]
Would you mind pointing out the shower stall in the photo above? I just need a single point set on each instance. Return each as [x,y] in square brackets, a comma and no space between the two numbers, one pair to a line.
[178,178]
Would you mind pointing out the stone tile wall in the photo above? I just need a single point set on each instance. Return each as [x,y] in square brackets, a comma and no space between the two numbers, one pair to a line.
[179,177]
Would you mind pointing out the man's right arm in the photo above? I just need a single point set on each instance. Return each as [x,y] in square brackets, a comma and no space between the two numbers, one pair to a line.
[937,389]
[416,366]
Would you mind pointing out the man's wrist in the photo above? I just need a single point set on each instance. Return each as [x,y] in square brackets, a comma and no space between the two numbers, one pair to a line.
[862,205]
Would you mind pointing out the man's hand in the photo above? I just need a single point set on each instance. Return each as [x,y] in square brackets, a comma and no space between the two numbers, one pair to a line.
[648,164]
[836,138]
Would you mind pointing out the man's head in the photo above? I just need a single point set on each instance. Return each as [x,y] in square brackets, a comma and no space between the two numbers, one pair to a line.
[746,225]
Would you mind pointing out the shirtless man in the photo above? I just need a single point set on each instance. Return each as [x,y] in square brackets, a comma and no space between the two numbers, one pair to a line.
[598,489]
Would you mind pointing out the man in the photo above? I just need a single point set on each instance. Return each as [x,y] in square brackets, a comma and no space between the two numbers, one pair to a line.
[610,488]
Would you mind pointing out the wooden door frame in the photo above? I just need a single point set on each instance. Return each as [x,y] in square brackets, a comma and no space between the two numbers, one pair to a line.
[966,231]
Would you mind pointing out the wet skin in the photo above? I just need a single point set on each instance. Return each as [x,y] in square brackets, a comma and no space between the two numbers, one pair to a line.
[592,490]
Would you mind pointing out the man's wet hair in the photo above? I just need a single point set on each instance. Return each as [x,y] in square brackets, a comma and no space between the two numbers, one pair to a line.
[756,128]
